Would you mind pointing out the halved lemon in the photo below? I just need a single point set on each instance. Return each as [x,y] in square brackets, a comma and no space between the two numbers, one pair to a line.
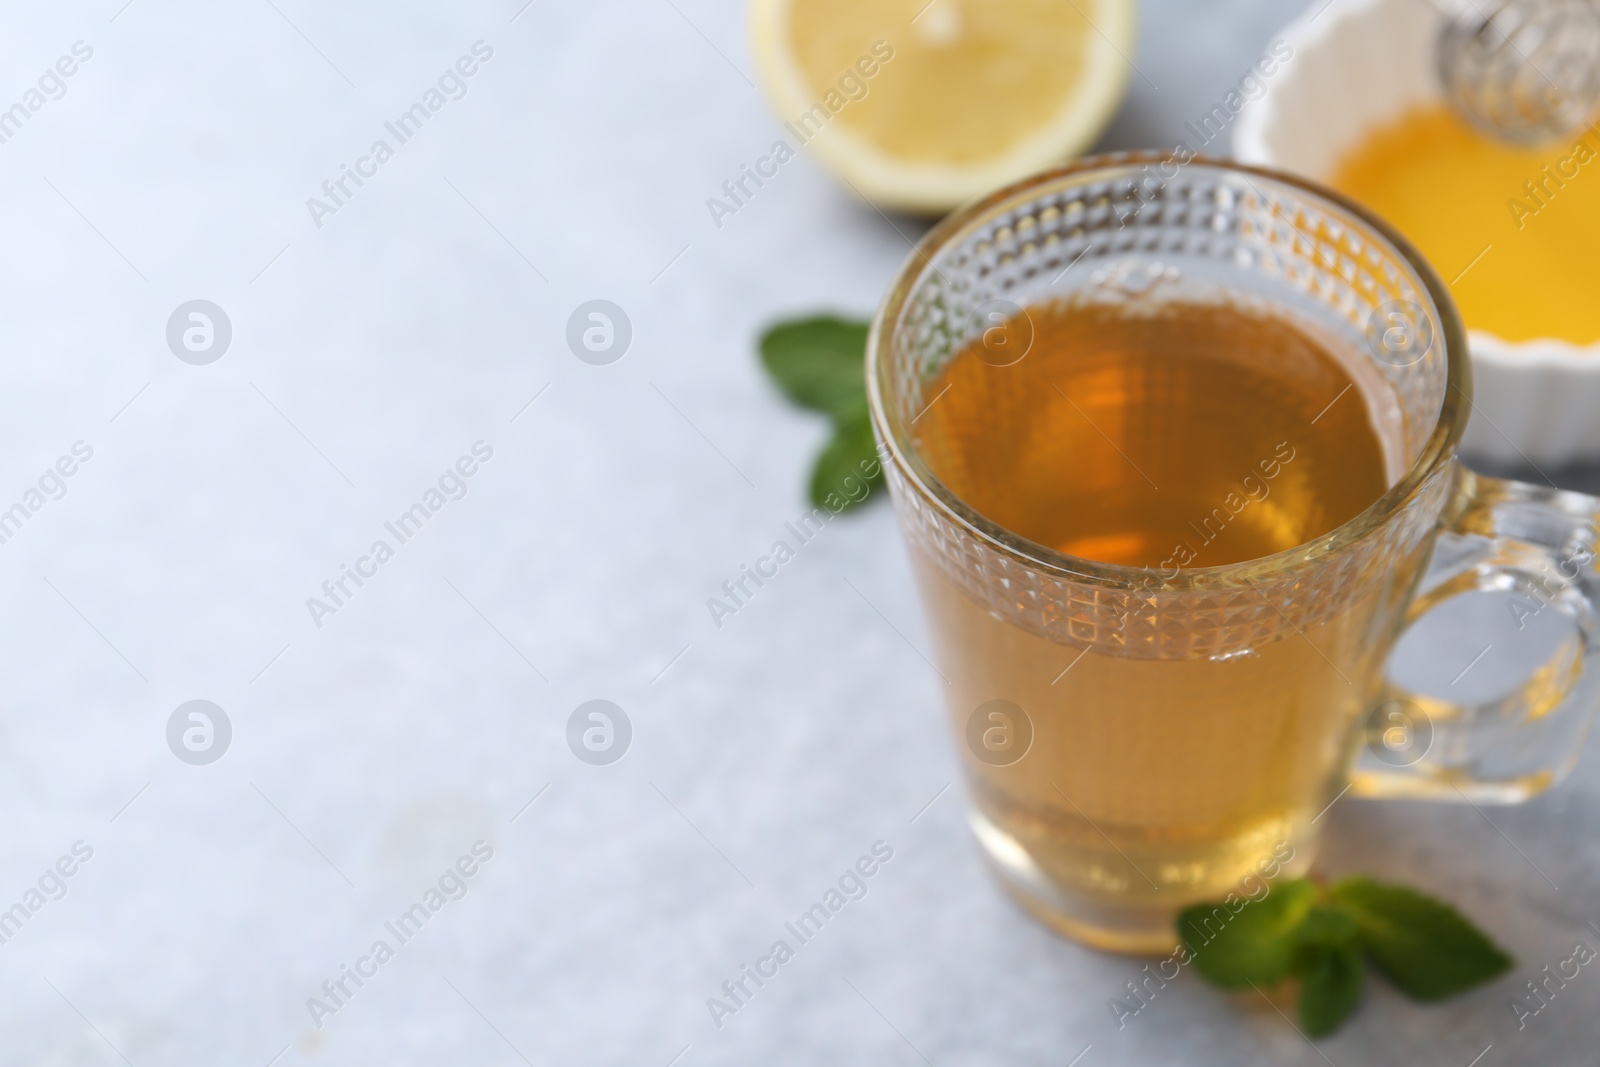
[923,104]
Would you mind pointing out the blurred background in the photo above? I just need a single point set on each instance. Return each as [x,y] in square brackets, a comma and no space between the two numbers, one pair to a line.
[368,741]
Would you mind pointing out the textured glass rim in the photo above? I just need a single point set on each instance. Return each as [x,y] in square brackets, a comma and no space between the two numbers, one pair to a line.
[1439,450]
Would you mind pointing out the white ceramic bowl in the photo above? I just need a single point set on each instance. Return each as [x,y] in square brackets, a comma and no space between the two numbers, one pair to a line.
[1360,64]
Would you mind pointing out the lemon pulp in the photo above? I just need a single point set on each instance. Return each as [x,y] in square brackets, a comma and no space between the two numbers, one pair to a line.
[968,81]
[924,104]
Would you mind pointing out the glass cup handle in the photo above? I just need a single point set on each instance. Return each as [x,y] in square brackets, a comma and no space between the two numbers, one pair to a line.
[1539,546]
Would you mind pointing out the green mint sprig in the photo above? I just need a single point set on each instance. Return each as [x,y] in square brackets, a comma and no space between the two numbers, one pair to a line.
[817,363]
[1324,935]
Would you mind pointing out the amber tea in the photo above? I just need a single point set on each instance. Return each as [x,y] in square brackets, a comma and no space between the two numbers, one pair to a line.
[1167,438]
[1185,435]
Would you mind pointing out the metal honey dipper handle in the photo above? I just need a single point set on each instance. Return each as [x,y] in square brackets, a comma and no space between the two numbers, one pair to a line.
[1525,71]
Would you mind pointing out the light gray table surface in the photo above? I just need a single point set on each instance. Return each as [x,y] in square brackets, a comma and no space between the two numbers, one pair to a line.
[373,746]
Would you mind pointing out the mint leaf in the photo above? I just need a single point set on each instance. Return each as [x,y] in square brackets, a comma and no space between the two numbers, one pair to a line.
[848,469]
[1256,944]
[1332,976]
[818,363]
[1423,945]
[1327,957]
[1325,927]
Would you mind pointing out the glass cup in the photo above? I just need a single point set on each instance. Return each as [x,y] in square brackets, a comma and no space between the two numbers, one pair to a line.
[1135,741]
